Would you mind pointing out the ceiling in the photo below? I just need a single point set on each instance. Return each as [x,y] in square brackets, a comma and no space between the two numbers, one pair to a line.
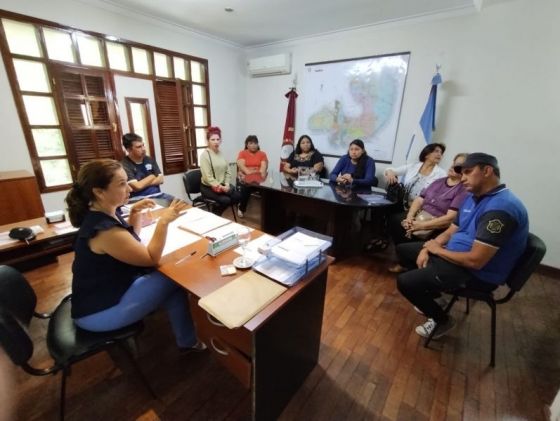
[260,22]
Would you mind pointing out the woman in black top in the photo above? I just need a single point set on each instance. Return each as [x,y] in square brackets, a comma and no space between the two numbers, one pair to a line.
[115,282]
[305,155]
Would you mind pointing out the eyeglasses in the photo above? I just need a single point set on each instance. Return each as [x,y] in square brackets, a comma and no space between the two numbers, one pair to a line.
[458,169]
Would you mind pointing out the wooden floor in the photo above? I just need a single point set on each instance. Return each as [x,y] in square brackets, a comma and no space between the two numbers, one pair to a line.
[372,365]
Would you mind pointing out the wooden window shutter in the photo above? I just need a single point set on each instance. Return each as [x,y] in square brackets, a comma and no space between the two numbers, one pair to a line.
[171,126]
[88,114]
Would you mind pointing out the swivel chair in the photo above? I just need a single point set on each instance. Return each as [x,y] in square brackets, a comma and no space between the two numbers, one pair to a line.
[67,344]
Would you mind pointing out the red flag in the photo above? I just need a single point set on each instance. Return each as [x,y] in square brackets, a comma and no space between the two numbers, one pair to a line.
[289,128]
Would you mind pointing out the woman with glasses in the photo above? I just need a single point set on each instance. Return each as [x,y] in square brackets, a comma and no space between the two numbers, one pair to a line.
[416,177]
[432,211]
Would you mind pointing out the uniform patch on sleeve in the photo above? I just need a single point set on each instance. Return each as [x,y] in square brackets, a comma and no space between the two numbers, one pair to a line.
[494,226]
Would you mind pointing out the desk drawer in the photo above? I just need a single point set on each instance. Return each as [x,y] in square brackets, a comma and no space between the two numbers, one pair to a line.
[210,327]
[236,363]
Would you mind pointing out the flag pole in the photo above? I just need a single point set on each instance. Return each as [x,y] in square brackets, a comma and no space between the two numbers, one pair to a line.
[289,127]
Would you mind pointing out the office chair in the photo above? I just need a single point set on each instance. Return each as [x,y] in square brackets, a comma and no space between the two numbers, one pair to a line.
[192,180]
[66,343]
[520,274]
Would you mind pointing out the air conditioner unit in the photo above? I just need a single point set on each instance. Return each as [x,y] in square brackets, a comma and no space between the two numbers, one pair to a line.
[279,64]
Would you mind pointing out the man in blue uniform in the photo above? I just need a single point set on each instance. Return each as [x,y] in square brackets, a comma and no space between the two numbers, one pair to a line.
[478,250]
[144,175]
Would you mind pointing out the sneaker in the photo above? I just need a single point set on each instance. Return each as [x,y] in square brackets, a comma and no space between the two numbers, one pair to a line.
[240,213]
[441,329]
[441,301]
[197,347]
[396,268]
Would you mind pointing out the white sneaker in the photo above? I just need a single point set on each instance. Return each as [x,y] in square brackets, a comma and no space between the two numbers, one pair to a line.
[240,213]
[441,301]
[441,329]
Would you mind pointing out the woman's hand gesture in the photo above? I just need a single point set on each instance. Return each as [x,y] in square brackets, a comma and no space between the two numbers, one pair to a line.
[172,212]
[391,177]
[141,205]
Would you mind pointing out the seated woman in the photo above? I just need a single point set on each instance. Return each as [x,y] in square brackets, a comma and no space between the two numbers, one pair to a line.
[355,168]
[115,282]
[304,156]
[252,165]
[433,211]
[416,177]
[216,176]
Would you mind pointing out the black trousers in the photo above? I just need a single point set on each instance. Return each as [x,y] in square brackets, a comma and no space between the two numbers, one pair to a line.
[222,199]
[420,286]
[245,194]
[397,232]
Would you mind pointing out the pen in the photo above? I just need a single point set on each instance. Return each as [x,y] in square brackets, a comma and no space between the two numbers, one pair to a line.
[204,255]
[192,253]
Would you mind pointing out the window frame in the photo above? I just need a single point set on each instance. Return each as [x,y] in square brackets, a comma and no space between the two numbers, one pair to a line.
[145,103]
[8,58]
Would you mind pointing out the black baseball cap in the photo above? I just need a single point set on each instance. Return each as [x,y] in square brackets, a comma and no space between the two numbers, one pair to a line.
[480,158]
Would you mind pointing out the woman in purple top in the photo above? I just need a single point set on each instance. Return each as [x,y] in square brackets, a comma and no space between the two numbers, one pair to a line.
[441,199]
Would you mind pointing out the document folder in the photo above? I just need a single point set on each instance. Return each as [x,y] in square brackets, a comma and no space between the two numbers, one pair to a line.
[239,301]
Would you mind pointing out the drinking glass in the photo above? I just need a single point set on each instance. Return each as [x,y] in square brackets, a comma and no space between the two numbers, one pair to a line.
[243,236]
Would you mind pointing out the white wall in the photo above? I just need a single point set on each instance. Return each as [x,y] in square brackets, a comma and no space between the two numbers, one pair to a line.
[142,88]
[225,63]
[502,80]
[501,69]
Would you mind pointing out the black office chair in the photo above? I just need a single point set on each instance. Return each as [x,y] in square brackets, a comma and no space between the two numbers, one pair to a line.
[192,180]
[66,343]
[525,266]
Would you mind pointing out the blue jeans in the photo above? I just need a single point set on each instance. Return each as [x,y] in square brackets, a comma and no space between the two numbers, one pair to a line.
[145,295]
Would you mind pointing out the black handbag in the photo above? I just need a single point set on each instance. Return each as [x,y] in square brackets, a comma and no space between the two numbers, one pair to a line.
[396,193]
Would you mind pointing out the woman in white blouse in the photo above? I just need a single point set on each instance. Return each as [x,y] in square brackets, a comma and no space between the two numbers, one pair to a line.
[416,177]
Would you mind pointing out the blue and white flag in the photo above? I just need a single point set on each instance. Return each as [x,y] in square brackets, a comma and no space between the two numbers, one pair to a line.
[428,119]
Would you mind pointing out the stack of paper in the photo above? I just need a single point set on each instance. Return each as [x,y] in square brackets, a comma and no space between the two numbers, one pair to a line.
[289,260]
[200,222]
[298,248]
[238,301]
[308,183]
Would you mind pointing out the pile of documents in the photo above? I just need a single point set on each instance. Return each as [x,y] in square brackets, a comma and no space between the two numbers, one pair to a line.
[298,252]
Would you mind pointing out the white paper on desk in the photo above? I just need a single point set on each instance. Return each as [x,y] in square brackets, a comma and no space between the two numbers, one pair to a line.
[252,247]
[176,237]
[5,239]
[64,227]
[201,222]
[372,198]
[299,247]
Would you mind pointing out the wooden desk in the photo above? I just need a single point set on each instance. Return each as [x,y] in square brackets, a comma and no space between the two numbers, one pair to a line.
[272,353]
[331,209]
[40,251]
